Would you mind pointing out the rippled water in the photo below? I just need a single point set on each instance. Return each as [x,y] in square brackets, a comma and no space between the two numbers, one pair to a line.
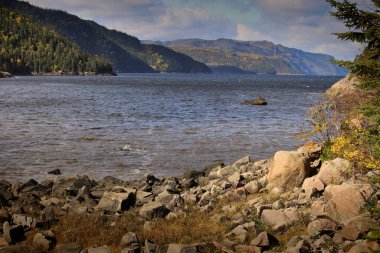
[129,125]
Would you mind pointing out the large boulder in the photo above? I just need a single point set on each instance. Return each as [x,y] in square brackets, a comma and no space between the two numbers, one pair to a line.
[357,227]
[345,201]
[321,226]
[312,187]
[288,169]
[275,218]
[153,210]
[117,201]
[333,171]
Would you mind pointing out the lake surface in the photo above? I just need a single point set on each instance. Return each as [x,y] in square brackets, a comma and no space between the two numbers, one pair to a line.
[130,125]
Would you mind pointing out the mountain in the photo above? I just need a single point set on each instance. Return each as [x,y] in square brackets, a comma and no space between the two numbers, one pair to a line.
[254,56]
[125,52]
[29,47]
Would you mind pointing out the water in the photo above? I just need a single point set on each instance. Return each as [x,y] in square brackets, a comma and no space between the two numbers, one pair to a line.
[129,125]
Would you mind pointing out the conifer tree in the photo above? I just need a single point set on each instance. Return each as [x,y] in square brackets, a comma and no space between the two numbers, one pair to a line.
[364,27]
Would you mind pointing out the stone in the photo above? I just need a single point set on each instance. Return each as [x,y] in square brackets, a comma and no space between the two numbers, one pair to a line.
[242,161]
[265,241]
[103,249]
[129,239]
[288,169]
[62,184]
[312,187]
[332,172]
[131,249]
[246,249]
[55,172]
[24,220]
[275,218]
[169,200]
[357,227]
[364,246]
[182,248]
[252,187]
[344,202]
[257,101]
[13,234]
[189,197]
[117,201]
[21,248]
[234,178]
[193,174]
[41,243]
[72,247]
[321,226]
[278,205]
[153,209]
[4,74]
[149,247]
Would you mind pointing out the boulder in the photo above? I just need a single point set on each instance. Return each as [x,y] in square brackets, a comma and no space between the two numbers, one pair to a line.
[168,199]
[312,187]
[55,172]
[24,220]
[288,169]
[321,226]
[42,243]
[242,161]
[357,227]
[257,101]
[117,201]
[182,248]
[275,218]
[154,209]
[103,249]
[252,187]
[193,174]
[265,241]
[13,234]
[72,247]
[150,247]
[333,171]
[344,202]
[4,74]
[129,239]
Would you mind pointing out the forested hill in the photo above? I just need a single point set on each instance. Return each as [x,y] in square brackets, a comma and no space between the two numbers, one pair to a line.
[28,47]
[255,56]
[125,52]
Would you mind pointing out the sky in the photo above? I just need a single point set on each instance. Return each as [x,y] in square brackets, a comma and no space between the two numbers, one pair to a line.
[302,24]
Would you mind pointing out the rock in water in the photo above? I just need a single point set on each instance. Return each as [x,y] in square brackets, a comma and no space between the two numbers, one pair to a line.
[258,101]
[55,172]
[5,74]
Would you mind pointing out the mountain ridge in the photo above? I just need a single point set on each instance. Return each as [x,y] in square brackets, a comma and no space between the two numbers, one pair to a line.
[125,52]
[277,55]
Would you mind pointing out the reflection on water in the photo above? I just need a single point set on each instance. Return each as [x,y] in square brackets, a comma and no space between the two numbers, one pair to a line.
[129,125]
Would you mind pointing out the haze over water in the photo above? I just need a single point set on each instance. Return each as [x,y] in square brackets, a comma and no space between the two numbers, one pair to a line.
[134,124]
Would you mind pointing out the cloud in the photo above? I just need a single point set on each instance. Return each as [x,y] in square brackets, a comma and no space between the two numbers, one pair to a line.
[303,24]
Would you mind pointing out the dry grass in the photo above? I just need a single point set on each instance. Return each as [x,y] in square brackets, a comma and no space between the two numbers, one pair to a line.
[194,227]
[97,229]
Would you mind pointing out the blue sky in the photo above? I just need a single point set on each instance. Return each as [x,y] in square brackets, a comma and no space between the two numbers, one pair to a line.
[303,24]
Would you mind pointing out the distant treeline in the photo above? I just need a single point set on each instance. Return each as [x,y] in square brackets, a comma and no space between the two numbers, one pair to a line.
[28,47]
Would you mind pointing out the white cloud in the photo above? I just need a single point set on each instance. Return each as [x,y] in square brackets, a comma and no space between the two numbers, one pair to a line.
[303,24]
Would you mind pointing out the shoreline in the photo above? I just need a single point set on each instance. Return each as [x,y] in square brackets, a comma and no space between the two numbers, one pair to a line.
[291,202]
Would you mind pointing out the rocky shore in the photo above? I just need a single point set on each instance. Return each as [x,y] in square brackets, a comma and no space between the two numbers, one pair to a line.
[292,202]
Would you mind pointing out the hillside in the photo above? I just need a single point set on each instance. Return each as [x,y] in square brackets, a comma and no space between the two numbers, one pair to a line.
[28,47]
[125,52]
[256,56]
